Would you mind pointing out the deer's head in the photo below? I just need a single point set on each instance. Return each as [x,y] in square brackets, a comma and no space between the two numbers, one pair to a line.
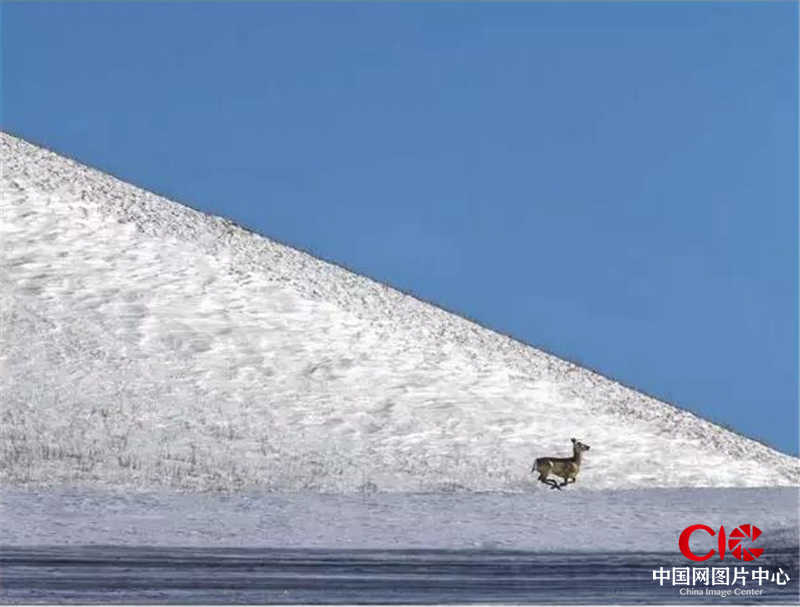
[579,446]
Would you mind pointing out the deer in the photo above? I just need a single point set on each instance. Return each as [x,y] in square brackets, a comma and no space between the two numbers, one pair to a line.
[565,467]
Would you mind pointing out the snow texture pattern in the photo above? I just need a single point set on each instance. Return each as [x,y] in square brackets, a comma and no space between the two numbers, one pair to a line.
[145,344]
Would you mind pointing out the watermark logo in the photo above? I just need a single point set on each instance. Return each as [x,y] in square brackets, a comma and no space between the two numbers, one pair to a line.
[735,542]
[719,576]
[721,581]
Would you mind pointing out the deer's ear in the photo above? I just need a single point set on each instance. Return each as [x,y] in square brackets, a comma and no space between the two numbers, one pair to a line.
[572,439]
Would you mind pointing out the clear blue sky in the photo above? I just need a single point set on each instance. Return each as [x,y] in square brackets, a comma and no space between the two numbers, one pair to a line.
[616,183]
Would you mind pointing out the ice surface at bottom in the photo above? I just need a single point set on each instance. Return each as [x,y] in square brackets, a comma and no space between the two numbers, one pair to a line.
[153,575]
[542,520]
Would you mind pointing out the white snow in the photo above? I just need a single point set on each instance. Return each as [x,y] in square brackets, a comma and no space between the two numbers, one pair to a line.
[646,520]
[146,344]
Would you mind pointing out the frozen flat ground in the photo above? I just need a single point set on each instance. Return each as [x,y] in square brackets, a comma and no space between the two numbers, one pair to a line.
[146,345]
[106,575]
[542,521]
[540,547]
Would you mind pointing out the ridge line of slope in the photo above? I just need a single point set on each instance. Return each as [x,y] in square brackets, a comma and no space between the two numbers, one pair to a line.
[124,201]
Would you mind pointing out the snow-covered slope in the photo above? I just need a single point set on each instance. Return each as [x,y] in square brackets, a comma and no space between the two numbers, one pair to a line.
[143,343]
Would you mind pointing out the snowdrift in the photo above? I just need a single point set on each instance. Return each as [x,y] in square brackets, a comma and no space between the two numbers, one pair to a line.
[145,344]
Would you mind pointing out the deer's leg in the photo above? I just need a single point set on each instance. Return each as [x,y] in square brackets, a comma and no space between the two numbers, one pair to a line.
[544,473]
[547,481]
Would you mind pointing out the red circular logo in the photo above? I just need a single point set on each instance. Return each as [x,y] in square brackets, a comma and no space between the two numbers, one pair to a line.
[750,532]
[734,542]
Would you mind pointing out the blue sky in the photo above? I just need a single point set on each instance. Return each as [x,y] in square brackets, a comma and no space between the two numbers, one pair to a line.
[615,183]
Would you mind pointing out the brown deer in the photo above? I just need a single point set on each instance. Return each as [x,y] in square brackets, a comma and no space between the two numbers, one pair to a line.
[565,467]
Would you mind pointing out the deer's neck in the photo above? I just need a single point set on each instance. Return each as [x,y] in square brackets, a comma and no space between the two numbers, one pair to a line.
[576,455]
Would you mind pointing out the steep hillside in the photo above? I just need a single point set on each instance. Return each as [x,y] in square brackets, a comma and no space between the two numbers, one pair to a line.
[143,343]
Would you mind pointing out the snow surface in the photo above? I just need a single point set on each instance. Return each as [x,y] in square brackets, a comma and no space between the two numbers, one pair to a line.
[633,520]
[145,344]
